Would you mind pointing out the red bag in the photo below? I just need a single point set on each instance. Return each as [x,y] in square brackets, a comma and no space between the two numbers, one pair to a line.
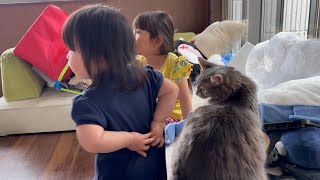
[42,45]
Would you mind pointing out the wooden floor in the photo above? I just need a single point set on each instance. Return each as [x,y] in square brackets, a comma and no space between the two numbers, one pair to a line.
[44,156]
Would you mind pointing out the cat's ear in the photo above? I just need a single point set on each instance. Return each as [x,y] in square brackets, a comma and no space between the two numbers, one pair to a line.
[216,80]
[204,63]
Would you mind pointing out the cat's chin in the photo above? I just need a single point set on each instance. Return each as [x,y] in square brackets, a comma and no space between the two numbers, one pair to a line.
[215,100]
[202,96]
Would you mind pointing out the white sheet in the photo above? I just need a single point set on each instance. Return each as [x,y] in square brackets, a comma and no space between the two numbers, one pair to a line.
[294,92]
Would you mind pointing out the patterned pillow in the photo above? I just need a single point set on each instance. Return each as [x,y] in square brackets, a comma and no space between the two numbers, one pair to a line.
[80,84]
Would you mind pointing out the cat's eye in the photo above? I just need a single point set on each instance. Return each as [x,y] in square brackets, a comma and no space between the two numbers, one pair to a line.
[203,90]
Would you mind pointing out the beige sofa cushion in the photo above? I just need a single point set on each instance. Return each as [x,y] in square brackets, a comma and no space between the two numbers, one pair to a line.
[48,113]
[219,37]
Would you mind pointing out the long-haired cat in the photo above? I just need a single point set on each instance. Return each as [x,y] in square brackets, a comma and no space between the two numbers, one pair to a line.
[222,140]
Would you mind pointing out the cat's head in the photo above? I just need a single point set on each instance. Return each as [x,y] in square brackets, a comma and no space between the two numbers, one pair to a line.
[217,82]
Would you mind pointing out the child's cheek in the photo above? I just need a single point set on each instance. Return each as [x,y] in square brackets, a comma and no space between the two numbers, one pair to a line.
[74,67]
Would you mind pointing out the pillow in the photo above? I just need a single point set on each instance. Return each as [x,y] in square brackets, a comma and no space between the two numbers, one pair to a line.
[219,37]
[42,44]
[18,79]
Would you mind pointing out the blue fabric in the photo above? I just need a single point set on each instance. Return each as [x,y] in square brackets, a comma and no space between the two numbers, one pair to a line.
[306,112]
[227,58]
[174,129]
[270,113]
[130,111]
[303,147]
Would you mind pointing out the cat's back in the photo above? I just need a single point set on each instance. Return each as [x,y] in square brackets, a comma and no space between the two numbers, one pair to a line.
[222,144]
[215,117]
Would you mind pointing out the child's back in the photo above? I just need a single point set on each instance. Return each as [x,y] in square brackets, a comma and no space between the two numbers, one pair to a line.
[130,111]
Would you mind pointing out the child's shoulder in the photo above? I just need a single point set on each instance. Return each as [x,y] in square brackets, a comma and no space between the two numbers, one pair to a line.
[82,98]
[178,66]
[151,72]
[173,59]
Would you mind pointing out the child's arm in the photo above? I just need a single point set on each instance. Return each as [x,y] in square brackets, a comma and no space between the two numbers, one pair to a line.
[184,97]
[94,139]
[167,97]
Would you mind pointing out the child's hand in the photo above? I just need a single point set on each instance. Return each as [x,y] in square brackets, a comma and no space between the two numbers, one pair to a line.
[157,129]
[140,143]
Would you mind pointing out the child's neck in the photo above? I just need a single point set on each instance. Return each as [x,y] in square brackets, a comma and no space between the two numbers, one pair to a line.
[156,61]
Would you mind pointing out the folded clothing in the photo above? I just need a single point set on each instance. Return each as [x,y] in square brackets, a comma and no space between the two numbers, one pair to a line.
[270,113]
[306,112]
[173,130]
[295,99]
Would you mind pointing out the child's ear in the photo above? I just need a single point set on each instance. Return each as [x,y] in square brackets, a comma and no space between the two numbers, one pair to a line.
[157,41]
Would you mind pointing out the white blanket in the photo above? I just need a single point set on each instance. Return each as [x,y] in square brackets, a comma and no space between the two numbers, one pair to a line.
[294,92]
[284,57]
[284,68]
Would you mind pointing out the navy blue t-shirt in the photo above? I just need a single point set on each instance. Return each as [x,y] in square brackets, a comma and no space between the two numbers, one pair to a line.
[130,111]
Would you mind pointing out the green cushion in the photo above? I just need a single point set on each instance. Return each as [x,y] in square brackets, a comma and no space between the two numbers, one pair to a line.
[185,36]
[19,81]
[1,94]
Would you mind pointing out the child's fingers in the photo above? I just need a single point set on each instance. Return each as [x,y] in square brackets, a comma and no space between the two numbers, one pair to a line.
[145,148]
[149,140]
[161,142]
[155,142]
[153,134]
[148,135]
[142,153]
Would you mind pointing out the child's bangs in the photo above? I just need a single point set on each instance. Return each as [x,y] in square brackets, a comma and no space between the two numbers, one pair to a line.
[140,22]
[68,34]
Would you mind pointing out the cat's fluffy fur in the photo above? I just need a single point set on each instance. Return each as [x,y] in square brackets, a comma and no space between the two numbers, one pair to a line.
[222,140]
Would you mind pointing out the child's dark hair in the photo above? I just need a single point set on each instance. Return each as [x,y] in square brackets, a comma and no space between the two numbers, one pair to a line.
[159,24]
[105,41]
